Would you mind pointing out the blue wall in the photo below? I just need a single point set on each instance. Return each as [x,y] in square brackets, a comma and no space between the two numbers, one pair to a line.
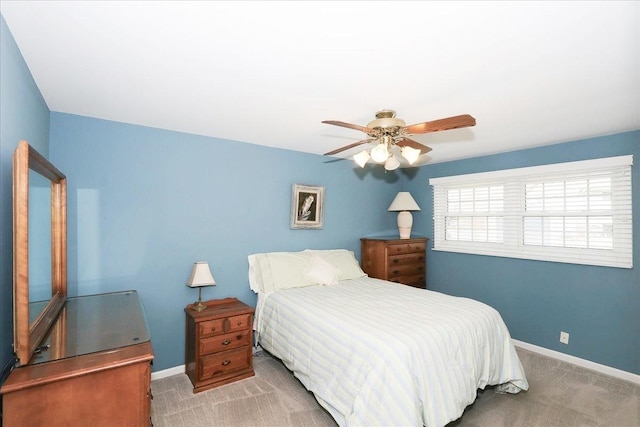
[598,306]
[23,115]
[144,204]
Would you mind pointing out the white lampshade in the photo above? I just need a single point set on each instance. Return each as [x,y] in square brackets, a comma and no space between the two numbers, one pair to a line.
[362,158]
[380,153]
[200,275]
[410,153]
[403,202]
[392,163]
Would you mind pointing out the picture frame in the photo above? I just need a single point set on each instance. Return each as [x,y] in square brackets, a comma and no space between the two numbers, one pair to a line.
[307,206]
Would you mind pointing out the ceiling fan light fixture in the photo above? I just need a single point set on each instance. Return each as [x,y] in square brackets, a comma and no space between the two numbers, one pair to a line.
[380,153]
[410,153]
[392,163]
[391,134]
[361,158]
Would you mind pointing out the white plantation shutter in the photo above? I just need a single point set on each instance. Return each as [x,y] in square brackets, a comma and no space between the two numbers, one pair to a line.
[577,212]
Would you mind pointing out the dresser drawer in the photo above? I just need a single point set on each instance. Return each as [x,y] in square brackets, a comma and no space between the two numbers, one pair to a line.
[224,325]
[406,248]
[417,280]
[413,258]
[220,364]
[224,342]
[405,270]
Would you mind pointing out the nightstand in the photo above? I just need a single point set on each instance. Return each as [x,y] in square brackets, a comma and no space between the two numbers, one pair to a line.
[396,260]
[218,347]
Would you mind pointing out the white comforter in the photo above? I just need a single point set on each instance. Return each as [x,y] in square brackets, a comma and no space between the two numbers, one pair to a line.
[376,353]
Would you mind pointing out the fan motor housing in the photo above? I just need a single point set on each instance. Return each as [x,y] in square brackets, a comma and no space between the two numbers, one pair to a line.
[386,120]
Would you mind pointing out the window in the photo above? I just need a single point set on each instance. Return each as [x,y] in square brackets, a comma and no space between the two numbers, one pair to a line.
[578,212]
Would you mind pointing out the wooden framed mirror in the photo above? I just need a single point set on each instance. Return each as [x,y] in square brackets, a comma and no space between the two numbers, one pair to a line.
[30,328]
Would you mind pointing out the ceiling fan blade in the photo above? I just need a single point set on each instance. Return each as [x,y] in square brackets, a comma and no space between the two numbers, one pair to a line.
[348,125]
[454,122]
[346,147]
[413,144]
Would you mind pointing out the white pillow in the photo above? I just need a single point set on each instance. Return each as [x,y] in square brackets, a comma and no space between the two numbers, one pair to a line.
[255,274]
[321,272]
[343,260]
[272,271]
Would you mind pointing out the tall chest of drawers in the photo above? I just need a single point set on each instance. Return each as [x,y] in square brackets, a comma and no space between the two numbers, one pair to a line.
[218,348]
[397,260]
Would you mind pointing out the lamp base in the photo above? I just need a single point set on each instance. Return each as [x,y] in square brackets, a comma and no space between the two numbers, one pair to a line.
[405,232]
[405,222]
[198,305]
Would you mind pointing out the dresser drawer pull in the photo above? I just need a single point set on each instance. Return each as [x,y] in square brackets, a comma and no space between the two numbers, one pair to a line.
[226,342]
[213,329]
[226,362]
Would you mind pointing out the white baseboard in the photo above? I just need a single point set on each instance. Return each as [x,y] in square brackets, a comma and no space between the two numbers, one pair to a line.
[608,370]
[167,372]
[624,375]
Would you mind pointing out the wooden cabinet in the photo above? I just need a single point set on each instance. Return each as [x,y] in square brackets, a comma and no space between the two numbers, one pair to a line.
[396,260]
[96,370]
[218,348]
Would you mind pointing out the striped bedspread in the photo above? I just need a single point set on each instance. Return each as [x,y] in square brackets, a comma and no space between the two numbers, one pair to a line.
[376,353]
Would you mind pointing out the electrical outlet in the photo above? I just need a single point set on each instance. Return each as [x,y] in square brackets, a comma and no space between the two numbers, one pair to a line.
[564,337]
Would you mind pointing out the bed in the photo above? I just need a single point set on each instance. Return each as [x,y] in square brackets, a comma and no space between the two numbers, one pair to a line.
[378,353]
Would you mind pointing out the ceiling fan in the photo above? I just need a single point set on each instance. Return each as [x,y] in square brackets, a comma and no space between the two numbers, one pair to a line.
[390,135]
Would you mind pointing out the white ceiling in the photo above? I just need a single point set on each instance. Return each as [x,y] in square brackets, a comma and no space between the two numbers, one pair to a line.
[264,72]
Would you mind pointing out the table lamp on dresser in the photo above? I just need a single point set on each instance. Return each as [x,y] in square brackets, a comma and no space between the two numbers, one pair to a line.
[200,276]
[403,204]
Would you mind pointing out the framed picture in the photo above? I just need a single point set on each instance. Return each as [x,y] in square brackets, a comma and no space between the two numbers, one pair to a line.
[307,206]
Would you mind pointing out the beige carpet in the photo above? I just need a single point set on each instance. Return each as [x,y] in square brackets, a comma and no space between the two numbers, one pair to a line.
[560,394]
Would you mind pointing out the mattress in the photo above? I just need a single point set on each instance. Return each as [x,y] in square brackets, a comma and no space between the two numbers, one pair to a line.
[377,353]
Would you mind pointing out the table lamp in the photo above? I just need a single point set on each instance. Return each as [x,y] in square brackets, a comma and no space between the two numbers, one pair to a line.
[403,204]
[200,276]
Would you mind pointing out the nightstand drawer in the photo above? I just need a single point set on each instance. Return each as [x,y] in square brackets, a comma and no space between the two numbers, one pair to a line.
[225,342]
[219,364]
[406,248]
[415,258]
[224,325]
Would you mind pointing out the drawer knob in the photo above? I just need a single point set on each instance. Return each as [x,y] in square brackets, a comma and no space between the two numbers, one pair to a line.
[213,329]
[226,342]
[226,362]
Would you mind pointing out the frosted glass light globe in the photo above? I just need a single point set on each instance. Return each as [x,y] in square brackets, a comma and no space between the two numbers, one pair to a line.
[392,163]
[380,153]
[362,158]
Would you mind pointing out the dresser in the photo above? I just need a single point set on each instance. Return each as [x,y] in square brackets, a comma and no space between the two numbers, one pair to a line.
[397,260]
[94,368]
[218,348]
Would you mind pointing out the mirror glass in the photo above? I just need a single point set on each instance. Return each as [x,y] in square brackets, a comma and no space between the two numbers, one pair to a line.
[39,242]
